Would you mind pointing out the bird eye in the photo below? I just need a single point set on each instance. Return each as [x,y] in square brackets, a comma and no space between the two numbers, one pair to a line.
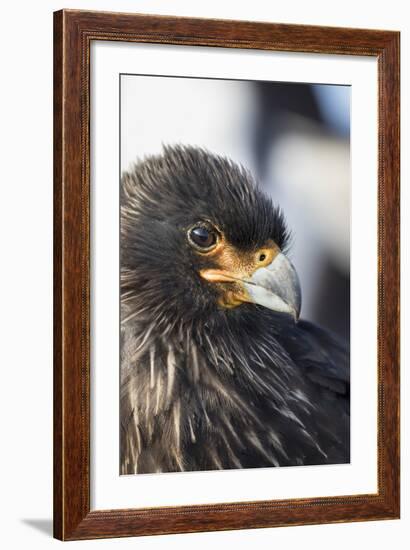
[203,238]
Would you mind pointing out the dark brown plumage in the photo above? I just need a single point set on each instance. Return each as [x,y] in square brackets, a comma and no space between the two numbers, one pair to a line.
[209,377]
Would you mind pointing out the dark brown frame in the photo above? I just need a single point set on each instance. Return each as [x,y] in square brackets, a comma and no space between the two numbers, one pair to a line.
[73,33]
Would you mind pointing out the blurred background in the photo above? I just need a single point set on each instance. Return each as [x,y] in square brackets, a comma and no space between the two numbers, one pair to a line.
[295,138]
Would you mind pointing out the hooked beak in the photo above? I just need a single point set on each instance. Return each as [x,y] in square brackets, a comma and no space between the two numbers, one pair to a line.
[276,287]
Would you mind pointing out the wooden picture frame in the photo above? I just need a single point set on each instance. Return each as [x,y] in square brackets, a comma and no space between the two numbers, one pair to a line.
[74,32]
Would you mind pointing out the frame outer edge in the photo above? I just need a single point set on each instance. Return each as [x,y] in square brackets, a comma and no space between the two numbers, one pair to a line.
[71,418]
[389,172]
[72,517]
[58,491]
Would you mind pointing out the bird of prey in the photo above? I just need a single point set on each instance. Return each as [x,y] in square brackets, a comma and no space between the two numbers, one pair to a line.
[217,369]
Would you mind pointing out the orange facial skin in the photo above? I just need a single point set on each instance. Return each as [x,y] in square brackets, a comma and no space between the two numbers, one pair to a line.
[235,266]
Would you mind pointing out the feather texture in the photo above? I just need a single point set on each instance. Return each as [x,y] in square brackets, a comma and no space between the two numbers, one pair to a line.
[205,388]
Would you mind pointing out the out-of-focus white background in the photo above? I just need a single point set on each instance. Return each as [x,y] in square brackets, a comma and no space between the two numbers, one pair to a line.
[295,139]
[26,274]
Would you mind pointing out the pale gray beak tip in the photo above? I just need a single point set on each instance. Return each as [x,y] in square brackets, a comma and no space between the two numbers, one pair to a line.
[277,287]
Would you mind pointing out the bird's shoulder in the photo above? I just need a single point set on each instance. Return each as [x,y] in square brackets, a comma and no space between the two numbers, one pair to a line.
[323,357]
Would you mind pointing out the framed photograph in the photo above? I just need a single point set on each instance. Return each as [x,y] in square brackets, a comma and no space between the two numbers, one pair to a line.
[226,275]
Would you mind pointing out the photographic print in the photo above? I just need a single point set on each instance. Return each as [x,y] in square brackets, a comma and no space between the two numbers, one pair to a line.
[234,274]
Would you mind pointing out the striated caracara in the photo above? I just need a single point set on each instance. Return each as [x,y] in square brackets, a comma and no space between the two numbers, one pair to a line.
[217,369]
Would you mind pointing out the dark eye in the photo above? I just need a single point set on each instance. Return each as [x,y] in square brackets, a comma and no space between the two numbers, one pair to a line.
[202,237]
